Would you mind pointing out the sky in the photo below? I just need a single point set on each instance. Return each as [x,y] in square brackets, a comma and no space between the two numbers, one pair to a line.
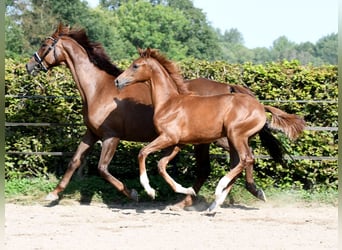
[263,21]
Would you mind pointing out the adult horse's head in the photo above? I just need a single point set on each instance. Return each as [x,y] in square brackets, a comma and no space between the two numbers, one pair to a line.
[47,56]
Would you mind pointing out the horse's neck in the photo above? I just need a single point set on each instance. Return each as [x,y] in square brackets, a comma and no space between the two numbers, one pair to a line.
[89,79]
[163,89]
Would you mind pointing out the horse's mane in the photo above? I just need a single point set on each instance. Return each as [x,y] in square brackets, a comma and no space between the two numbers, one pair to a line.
[171,68]
[95,50]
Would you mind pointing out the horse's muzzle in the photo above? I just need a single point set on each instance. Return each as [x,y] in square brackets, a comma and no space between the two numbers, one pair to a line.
[120,83]
[31,69]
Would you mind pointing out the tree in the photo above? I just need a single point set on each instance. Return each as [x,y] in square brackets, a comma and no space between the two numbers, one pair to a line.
[282,49]
[32,20]
[143,25]
[326,49]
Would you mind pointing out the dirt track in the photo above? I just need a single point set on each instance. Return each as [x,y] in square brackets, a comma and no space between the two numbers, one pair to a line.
[153,226]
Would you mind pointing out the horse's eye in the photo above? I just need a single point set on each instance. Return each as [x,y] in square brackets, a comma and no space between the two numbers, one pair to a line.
[135,66]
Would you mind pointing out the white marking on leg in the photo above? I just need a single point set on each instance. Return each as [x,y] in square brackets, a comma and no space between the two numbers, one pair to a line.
[51,197]
[183,190]
[218,201]
[223,183]
[146,184]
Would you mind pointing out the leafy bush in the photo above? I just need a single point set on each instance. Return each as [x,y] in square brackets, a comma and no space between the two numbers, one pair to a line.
[280,84]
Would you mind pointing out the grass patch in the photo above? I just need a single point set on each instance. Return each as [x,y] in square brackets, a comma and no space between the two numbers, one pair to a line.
[95,189]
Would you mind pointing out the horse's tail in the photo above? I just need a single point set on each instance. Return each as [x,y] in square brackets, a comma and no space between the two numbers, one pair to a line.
[272,144]
[241,89]
[290,124]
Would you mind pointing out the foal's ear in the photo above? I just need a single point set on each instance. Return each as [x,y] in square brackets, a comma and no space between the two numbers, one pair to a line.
[148,52]
[141,52]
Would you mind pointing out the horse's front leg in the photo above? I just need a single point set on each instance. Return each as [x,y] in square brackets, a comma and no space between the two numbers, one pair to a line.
[162,171]
[82,151]
[159,143]
[109,146]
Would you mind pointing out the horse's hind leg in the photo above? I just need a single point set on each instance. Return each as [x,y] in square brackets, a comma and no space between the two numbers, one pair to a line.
[109,146]
[82,151]
[162,171]
[250,184]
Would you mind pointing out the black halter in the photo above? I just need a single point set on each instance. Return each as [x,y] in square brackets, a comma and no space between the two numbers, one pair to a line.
[40,60]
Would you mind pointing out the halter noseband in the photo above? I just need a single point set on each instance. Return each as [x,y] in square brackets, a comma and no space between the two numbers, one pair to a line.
[40,60]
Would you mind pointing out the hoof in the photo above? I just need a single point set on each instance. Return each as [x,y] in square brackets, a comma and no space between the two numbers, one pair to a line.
[191,191]
[152,193]
[51,197]
[212,207]
[175,208]
[261,195]
[134,195]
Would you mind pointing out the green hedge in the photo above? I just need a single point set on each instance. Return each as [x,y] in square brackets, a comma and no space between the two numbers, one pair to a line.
[283,81]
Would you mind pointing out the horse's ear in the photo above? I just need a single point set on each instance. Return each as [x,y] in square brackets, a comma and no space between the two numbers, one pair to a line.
[60,27]
[141,52]
[148,52]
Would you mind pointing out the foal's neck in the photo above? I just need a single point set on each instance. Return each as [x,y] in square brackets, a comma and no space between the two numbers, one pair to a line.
[163,88]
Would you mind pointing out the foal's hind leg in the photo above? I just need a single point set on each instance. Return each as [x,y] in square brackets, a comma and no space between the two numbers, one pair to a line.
[234,160]
[82,150]
[245,160]
[250,184]
[162,171]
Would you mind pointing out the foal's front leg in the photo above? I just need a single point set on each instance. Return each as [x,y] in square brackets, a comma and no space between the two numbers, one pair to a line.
[161,142]
[173,184]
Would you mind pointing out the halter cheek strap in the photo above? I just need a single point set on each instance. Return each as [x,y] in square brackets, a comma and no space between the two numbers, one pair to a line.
[40,60]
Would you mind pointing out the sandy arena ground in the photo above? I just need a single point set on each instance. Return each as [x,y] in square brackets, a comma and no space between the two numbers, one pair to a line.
[153,226]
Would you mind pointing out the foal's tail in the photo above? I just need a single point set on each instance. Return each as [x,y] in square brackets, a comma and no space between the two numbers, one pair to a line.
[291,125]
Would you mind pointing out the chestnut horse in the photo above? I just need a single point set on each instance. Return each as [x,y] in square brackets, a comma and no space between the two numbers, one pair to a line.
[181,117]
[111,115]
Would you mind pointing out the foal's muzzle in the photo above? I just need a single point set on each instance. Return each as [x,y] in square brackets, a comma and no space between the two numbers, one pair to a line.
[119,83]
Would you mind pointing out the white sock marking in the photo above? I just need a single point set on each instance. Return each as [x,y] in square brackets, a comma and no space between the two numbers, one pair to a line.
[221,185]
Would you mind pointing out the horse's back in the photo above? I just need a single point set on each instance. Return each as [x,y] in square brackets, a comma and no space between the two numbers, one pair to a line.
[207,87]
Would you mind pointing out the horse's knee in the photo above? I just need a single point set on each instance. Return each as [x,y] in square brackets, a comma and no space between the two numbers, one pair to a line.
[74,164]
[142,155]
[103,171]
[161,166]
[248,160]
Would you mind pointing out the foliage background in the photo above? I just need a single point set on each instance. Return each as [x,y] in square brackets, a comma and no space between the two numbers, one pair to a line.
[59,103]
[176,27]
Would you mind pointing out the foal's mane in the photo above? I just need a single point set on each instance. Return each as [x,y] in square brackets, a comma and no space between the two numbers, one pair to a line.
[95,50]
[171,68]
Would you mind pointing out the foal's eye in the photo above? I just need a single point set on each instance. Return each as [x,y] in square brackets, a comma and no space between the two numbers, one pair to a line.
[135,66]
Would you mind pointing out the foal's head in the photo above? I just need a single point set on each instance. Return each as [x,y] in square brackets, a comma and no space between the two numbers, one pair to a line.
[149,63]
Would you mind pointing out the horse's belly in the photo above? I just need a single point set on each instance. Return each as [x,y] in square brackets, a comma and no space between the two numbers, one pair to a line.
[201,132]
